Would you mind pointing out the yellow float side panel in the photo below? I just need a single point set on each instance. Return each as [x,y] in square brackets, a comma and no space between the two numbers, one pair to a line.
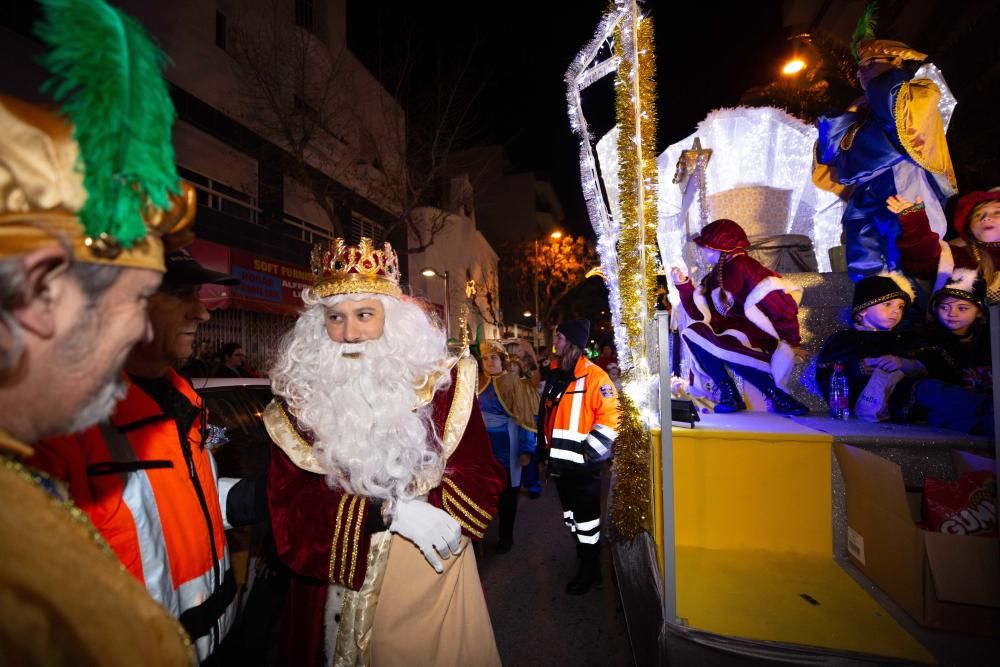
[769,491]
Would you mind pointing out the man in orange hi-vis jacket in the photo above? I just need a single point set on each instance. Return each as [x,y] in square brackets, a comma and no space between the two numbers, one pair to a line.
[578,416]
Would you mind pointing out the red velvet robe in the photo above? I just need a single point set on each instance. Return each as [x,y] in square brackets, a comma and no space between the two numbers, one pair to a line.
[923,254]
[324,535]
[761,324]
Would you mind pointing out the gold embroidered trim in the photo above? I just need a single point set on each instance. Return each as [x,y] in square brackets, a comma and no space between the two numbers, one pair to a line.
[450,501]
[284,434]
[354,633]
[337,524]
[355,540]
[466,382]
[351,508]
[467,499]
[887,297]
[450,506]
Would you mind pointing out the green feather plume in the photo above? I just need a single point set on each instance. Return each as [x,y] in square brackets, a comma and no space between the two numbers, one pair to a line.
[865,29]
[107,73]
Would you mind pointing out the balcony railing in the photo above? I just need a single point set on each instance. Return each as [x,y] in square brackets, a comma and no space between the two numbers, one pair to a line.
[306,231]
[223,198]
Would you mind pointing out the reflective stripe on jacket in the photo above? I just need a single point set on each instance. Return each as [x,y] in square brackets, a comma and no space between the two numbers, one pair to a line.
[153,495]
[580,418]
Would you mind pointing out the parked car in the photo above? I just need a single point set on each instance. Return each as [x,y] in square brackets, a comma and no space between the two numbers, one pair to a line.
[235,417]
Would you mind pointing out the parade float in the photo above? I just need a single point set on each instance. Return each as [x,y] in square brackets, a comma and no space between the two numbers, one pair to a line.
[729,536]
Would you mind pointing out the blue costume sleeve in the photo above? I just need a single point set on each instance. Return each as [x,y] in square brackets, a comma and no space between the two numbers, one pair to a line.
[525,441]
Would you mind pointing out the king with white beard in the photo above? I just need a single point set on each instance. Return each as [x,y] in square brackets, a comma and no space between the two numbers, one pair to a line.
[380,475]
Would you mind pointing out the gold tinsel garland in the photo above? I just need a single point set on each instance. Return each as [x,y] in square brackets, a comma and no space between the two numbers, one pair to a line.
[631,508]
[630,511]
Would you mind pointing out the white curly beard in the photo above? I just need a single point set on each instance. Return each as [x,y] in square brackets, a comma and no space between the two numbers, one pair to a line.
[357,399]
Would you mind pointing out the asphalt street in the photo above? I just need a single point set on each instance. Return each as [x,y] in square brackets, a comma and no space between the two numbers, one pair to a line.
[535,622]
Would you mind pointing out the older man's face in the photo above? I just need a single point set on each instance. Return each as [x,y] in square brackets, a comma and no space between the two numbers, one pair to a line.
[97,339]
[355,321]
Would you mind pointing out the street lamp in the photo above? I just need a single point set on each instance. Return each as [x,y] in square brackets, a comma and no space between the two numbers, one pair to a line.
[793,66]
[431,272]
[555,236]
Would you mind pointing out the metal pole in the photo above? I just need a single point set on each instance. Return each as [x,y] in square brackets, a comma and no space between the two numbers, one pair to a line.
[662,319]
[447,304]
[537,324]
[994,309]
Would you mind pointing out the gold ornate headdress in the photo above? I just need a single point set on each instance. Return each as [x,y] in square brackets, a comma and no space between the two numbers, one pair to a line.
[99,173]
[888,49]
[344,269]
[865,47]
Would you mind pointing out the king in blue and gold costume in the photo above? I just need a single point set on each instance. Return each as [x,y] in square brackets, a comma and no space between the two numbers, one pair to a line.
[889,142]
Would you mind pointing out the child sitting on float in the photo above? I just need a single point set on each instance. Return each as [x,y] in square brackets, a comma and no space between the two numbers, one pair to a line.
[743,316]
[955,348]
[876,357]
[925,256]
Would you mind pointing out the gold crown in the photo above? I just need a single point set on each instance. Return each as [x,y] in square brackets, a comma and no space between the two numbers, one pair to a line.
[344,269]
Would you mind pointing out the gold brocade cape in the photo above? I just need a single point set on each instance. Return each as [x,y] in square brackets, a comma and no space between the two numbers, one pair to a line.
[920,128]
[354,638]
[920,131]
[64,597]
[517,396]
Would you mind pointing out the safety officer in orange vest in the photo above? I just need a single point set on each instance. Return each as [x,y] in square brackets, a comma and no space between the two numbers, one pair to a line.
[147,478]
[578,416]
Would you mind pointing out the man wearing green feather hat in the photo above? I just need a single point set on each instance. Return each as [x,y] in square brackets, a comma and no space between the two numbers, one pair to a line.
[89,195]
[891,141]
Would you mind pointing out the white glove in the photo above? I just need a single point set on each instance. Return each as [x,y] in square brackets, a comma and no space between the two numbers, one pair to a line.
[429,528]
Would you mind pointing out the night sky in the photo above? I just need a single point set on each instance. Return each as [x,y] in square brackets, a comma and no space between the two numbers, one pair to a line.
[708,54]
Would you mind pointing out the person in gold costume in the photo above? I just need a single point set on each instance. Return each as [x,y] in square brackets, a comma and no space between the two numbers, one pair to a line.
[510,405]
[85,195]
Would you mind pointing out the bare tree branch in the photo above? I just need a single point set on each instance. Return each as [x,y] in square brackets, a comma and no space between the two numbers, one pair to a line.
[341,128]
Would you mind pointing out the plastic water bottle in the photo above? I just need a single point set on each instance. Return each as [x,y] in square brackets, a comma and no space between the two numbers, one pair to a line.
[840,398]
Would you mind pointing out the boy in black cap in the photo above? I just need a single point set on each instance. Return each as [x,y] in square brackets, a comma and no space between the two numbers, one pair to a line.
[876,357]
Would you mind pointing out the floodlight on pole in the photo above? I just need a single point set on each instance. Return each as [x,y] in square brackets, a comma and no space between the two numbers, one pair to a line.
[793,66]
[431,272]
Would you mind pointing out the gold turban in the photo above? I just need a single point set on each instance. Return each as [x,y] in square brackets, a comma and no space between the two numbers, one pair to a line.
[42,192]
[887,49]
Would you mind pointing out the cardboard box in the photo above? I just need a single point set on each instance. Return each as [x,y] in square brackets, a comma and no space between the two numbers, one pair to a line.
[951,582]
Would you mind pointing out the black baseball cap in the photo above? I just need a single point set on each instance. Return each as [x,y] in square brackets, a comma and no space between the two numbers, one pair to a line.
[183,270]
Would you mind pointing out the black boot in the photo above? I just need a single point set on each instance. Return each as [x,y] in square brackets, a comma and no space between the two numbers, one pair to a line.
[508,512]
[781,401]
[589,571]
[588,575]
[730,399]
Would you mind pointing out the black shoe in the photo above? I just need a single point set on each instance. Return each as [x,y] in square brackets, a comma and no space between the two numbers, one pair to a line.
[730,399]
[534,495]
[503,546]
[785,404]
[584,579]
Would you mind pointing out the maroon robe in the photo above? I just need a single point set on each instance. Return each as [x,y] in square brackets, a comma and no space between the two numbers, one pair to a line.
[324,535]
[760,325]
[924,256]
